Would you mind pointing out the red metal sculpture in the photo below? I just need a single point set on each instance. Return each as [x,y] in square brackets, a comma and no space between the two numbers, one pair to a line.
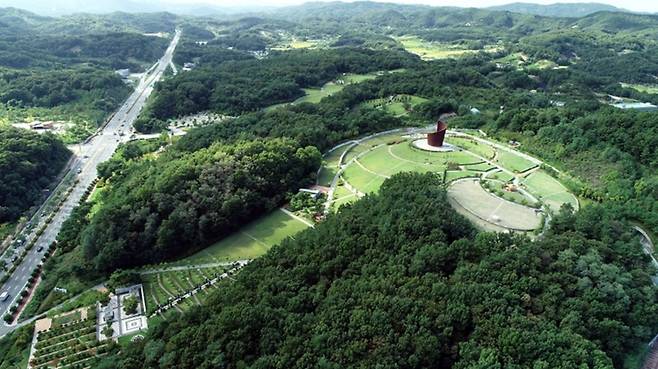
[435,139]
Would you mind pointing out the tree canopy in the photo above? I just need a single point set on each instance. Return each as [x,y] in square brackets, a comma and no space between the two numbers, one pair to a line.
[392,281]
[29,162]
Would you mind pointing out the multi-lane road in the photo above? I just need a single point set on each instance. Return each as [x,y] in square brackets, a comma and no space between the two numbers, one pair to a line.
[94,151]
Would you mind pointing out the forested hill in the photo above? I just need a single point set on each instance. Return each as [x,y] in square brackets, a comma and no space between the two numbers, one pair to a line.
[399,280]
[484,24]
[28,164]
[570,10]
[15,21]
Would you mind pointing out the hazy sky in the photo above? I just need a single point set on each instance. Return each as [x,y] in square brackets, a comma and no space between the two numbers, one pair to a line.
[635,5]
[57,7]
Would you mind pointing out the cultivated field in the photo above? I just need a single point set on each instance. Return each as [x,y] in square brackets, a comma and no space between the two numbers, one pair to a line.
[434,50]
[67,341]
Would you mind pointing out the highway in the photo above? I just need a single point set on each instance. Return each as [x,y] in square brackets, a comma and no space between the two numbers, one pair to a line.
[94,151]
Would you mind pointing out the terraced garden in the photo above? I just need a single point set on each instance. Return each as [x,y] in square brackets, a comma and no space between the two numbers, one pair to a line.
[369,162]
[252,241]
[161,287]
[70,342]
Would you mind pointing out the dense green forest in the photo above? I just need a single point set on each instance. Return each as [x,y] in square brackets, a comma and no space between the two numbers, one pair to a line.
[612,151]
[236,85]
[103,89]
[155,210]
[53,73]
[29,162]
[396,279]
[392,282]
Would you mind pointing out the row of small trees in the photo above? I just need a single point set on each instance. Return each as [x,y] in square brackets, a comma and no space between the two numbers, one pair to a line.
[14,310]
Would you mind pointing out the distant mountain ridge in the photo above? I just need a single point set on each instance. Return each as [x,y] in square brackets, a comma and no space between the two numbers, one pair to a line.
[564,10]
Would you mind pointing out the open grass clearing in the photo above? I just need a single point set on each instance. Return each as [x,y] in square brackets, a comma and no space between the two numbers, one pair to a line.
[362,180]
[513,162]
[649,89]
[428,50]
[354,151]
[314,95]
[549,190]
[406,152]
[501,176]
[252,241]
[473,146]
[482,167]
[397,105]
[543,64]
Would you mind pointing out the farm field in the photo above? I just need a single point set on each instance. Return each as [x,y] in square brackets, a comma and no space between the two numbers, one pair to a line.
[433,50]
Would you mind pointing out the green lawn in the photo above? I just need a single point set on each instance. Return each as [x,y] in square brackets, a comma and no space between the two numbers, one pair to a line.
[513,162]
[452,175]
[342,196]
[314,95]
[549,190]
[501,176]
[354,151]
[649,89]
[482,167]
[434,50]
[330,166]
[396,106]
[327,174]
[474,146]
[363,181]
[406,152]
[252,241]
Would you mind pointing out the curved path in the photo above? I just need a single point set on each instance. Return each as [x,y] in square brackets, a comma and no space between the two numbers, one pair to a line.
[651,359]
[342,166]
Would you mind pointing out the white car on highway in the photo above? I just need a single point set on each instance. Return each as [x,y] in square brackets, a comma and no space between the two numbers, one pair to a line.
[4,296]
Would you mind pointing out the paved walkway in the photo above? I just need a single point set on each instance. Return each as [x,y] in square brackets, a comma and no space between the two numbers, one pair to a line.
[298,218]
[193,266]
[651,360]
